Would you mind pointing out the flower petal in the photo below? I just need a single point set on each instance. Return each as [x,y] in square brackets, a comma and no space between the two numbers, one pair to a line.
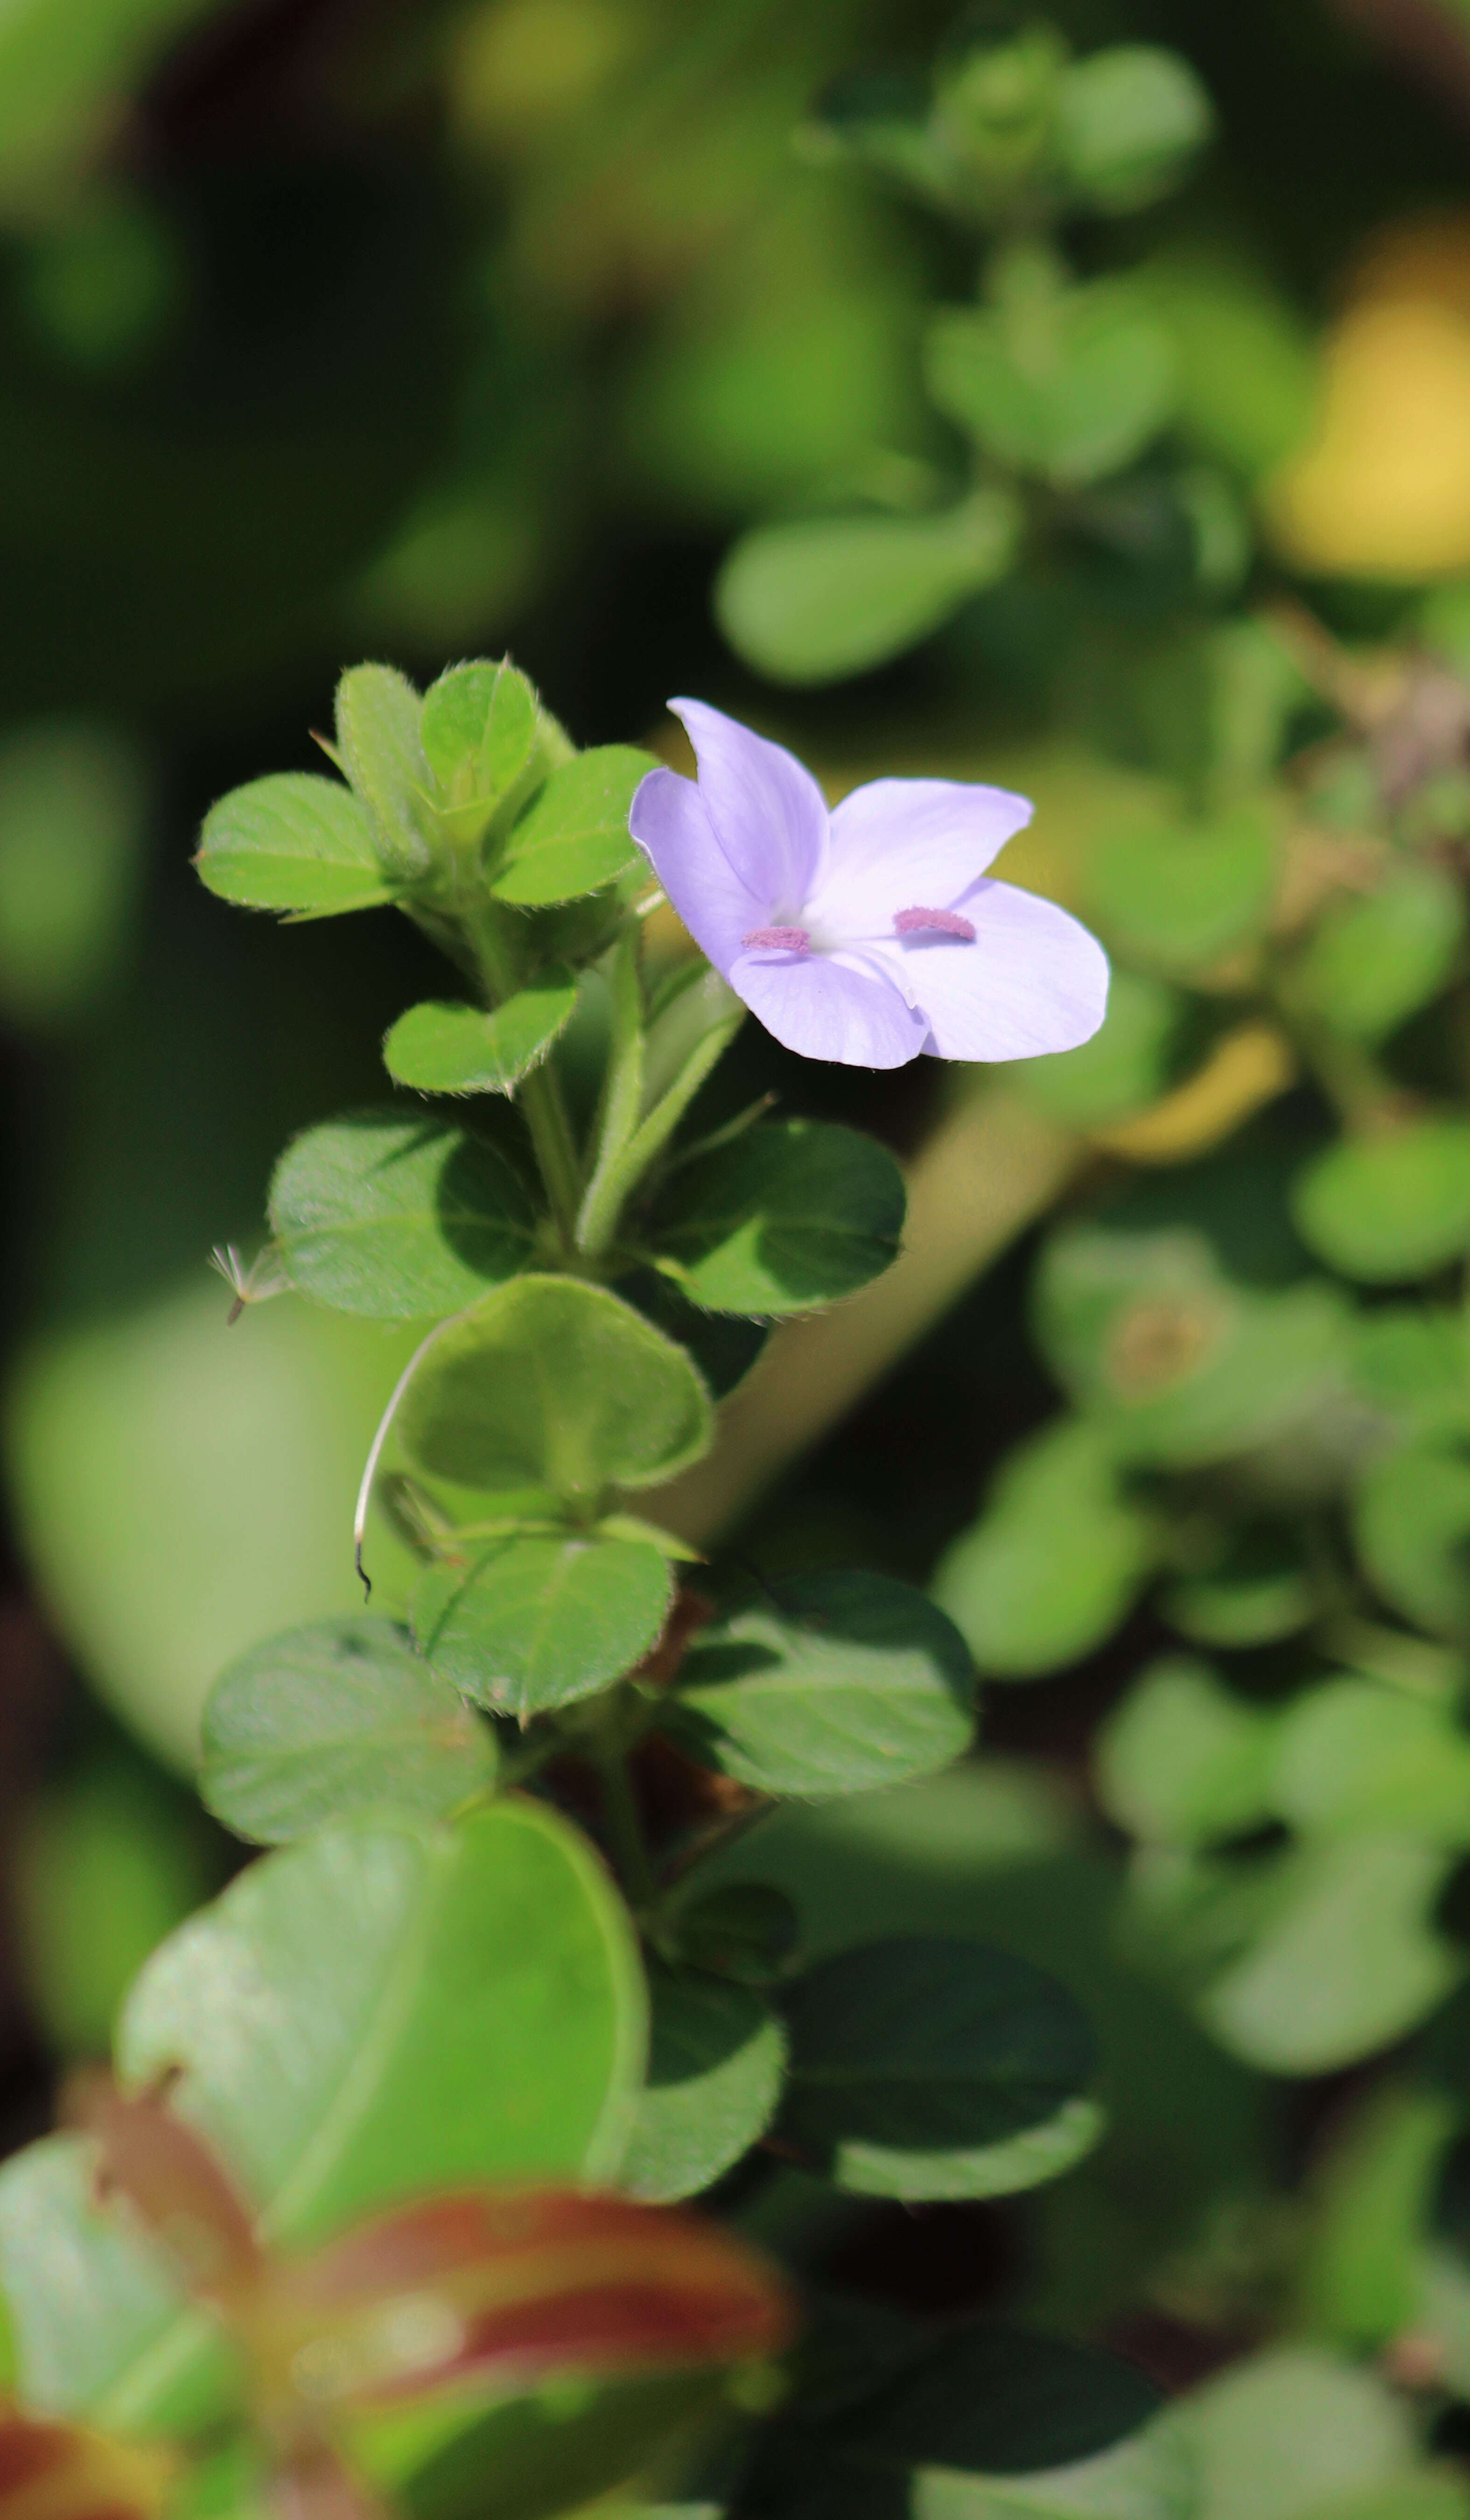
[768,813]
[669,823]
[816,1007]
[1034,980]
[902,840]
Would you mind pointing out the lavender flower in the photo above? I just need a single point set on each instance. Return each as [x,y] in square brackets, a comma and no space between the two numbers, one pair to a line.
[873,933]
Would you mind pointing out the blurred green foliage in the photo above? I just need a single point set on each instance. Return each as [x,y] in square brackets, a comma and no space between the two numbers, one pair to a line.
[1003,402]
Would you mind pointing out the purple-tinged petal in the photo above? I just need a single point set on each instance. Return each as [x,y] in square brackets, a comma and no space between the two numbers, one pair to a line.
[902,840]
[768,812]
[669,823]
[818,1008]
[1034,980]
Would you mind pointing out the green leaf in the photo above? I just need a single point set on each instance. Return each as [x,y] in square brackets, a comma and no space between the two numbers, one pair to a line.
[573,835]
[983,2399]
[378,716]
[1056,1560]
[929,2068]
[1072,387]
[1177,898]
[716,2055]
[853,1681]
[369,2015]
[1344,1958]
[723,1345]
[397,1216]
[1389,1207]
[743,1929]
[1411,1523]
[820,597]
[1372,2205]
[76,814]
[1149,2476]
[552,1382]
[337,1722]
[1129,120]
[1260,1590]
[296,843]
[1411,1364]
[479,728]
[792,1215]
[1123,1068]
[1371,963]
[443,1047]
[1182,1761]
[1177,1365]
[532,1623]
[1295,2434]
[1356,1755]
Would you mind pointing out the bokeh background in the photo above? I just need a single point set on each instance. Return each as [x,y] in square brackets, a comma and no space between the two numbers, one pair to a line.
[345,328]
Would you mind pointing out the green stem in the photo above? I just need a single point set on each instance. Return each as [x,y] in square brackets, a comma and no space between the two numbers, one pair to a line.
[600,1217]
[546,1117]
[622,1096]
[539,1094]
[625,1832]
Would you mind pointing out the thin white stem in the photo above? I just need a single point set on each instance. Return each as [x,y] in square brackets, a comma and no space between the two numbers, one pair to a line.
[375,1451]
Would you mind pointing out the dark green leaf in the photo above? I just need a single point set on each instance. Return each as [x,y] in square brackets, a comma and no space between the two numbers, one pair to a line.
[744,1929]
[722,1346]
[552,1382]
[853,1681]
[396,1216]
[445,1048]
[532,1623]
[715,2059]
[824,597]
[371,2014]
[1056,1560]
[573,835]
[1071,389]
[987,2399]
[923,2067]
[1392,1206]
[378,714]
[294,844]
[479,728]
[792,1215]
[332,1722]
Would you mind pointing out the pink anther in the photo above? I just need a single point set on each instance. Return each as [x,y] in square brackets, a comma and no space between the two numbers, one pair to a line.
[788,940]
[939,923]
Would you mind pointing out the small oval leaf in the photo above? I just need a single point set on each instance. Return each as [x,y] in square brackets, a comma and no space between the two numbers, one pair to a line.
[331,1722]
[445,1048]
[397,1217]
[294,844]
[535,1622]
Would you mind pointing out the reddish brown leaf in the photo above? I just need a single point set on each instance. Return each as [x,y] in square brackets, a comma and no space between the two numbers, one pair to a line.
[508,2287]
[177,2189]
[60,2472]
